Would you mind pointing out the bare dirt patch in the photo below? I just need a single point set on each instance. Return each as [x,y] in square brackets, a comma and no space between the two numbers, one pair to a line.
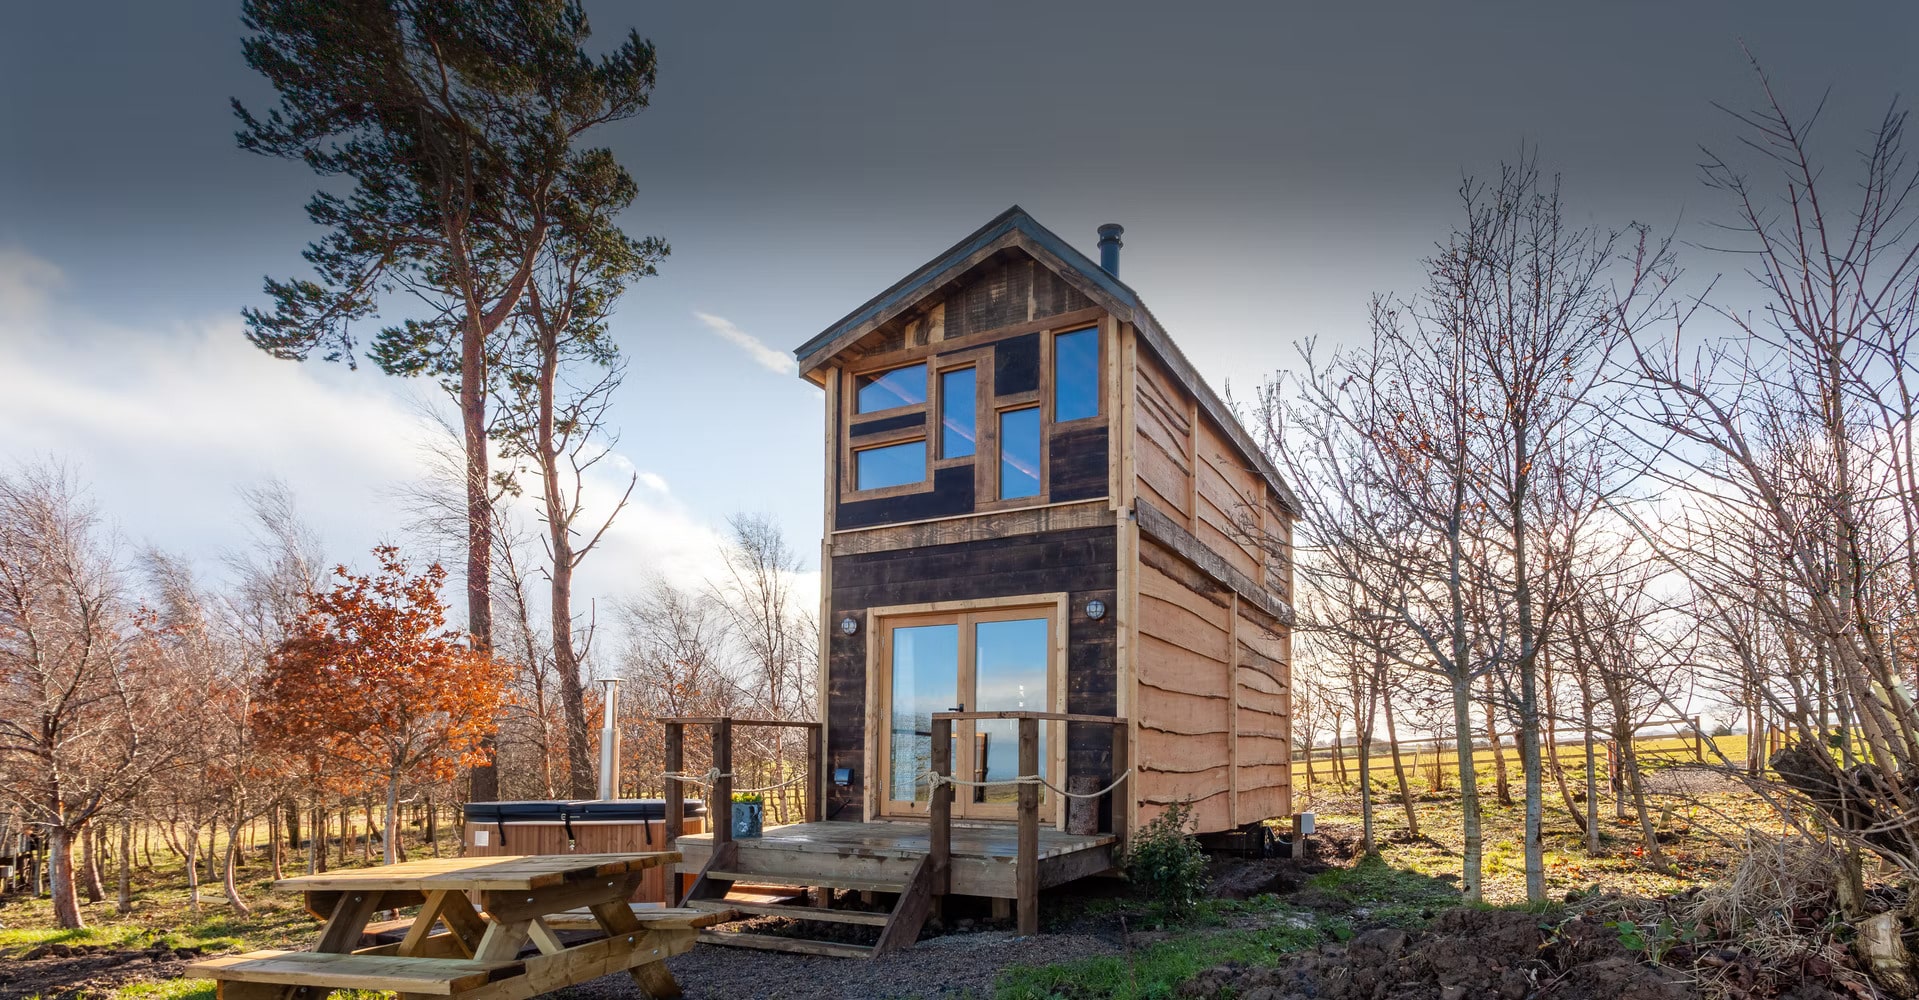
[79,971]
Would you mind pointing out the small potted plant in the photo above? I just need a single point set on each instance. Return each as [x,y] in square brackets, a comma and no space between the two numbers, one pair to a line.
[749,813]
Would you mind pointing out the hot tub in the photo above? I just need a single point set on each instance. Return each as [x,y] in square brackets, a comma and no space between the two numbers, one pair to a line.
[593,826]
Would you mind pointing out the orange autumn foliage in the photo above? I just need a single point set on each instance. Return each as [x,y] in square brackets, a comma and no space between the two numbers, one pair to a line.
[372,677]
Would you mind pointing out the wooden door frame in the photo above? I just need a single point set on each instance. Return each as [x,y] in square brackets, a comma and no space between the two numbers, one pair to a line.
[879,677]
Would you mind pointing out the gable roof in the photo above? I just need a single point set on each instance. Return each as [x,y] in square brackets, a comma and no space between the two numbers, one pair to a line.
[1015,228]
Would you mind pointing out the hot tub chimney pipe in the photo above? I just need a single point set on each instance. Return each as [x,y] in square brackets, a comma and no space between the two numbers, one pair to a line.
[610,740]
[1109,245]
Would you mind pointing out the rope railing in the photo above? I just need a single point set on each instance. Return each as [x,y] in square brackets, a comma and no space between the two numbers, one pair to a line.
[937,780]
[713,776]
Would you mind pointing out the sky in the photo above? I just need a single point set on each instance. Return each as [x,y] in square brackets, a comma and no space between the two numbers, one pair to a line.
[1274,166]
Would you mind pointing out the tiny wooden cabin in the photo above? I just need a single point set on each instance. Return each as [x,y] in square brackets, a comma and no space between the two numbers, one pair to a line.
[1035,503]
[1048,542]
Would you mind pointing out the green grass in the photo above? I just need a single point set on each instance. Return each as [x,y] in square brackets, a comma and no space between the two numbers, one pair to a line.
[1155,971]
[167,989]
[1383,894]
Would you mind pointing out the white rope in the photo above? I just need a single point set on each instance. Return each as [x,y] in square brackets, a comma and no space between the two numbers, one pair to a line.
[936,779]
[713,775]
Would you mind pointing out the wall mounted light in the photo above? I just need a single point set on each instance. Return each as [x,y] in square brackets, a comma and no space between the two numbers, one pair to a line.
[1096,609]
[849,625]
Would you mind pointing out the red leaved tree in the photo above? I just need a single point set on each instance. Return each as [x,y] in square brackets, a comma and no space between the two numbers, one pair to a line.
[371,677]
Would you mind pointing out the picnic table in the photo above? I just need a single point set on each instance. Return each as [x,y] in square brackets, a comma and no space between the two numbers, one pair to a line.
[476,956]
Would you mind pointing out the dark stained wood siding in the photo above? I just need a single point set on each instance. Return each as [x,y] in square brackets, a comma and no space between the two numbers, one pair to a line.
[884,424]
[1076,462]
[1016,365]
[952,493]
[1080,562]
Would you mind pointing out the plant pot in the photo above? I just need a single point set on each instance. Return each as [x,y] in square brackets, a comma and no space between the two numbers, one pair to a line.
[747,819]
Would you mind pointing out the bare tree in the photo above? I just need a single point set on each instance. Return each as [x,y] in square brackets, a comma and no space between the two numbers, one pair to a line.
[81,719]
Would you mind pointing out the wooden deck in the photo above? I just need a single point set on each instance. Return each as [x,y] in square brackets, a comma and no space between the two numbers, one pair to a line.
[983,854]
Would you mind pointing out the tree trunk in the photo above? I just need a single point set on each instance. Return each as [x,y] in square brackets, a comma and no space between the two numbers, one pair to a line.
[229,866]
[484,780]
[273,842]
[1501,786]
[433,825]
[192,840]
[1399,769]
[126,866]
[90,863]
[389,837]
[366,845]
[60,878]
[1470,857]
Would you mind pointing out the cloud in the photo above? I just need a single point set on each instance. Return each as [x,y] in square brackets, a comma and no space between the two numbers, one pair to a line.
[26,282]
[165,424]
[777,362]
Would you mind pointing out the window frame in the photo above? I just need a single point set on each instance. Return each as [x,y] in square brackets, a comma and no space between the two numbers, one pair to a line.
[997,460]
[879,694]
[1049,378]
[883,369]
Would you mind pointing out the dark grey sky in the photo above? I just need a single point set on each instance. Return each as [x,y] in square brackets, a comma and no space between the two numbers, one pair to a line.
[1273,164]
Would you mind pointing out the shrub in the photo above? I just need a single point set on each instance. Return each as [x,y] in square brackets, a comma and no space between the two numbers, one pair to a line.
[1166,862]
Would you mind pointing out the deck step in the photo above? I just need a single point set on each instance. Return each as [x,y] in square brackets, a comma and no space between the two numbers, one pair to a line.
[805,879]
[794,912]
[770,942]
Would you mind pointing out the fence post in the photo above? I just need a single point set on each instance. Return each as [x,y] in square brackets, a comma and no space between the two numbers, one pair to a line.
[1698,740]
[1122,793]
[722,802]
[1027,873]
[940,808]
[815,771]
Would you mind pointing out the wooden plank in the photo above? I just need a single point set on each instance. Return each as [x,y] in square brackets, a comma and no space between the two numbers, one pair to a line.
[1164,530]
[801,880]
[719,810]
[820,913]
[974,527]
[429,916]
[478,873]
[909,913]
[702,913]
[348,922]
[675,794]
[1028,862]
[940,810]
[544,939]
[434,976]
[502,941]
[616,918]
[797,946]
[641,954]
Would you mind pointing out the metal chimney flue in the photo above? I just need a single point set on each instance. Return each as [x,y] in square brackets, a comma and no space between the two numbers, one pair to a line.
[1109,245]
[610,741]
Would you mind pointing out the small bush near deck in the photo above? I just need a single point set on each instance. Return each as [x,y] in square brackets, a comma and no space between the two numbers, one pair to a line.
[1166,862]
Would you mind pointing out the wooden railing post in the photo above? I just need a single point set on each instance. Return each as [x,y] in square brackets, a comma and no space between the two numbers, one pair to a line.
[674,807]
[1027,870]
[815,772]
[1122,794]
[1698,740]
[939,832]
[721,808]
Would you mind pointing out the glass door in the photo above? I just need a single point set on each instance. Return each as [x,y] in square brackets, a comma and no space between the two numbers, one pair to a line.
[983,661]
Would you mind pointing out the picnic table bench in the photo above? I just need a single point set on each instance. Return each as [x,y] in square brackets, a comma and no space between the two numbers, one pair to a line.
[452,949]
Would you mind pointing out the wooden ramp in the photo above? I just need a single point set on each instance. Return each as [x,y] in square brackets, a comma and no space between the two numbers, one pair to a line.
[805,867]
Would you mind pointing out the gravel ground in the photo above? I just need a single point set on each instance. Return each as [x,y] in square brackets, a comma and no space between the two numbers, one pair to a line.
[947,966]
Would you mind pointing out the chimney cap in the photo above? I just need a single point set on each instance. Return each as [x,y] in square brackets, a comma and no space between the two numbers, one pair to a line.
[1111,231]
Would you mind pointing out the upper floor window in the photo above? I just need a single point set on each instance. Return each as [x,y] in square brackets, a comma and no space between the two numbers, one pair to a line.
[888,389]
[1019,449]
[889,465]
[958,398]
[1076,375]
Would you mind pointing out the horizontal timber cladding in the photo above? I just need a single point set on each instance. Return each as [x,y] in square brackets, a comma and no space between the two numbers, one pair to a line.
[1212,698]
[1076,460]
[952,493]
[1016,365]
[885,424]
[1078,561]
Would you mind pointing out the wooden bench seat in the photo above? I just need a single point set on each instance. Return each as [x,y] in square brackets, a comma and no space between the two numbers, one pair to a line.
[435,976]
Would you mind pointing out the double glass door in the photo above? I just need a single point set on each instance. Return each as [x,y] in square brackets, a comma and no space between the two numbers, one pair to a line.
[985,661]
